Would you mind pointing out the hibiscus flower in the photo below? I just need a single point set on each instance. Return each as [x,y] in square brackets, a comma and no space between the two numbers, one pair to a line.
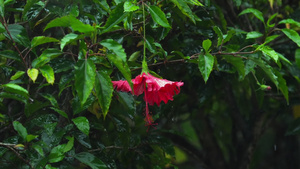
[155,90]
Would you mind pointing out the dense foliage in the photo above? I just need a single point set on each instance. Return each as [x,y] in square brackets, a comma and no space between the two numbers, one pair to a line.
[238,108]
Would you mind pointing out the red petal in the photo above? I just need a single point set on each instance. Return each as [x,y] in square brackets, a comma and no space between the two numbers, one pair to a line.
[121,85]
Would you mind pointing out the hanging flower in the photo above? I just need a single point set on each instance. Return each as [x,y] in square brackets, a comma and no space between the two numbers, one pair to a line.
[155,90]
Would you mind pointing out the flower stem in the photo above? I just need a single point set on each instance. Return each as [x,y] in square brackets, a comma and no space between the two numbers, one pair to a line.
[144,63]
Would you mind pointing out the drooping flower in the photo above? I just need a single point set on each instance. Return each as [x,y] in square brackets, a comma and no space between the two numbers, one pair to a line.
[155,90]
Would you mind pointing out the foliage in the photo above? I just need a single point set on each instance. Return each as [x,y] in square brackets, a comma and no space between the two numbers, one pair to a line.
[238,108]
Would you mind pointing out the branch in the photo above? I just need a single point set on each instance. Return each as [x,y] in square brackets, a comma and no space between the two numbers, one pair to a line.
[12,148]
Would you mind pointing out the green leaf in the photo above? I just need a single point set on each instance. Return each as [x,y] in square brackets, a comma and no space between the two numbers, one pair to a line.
[67,39]
[10,55]
[50,98]
[238,64]
[228,36]
[85,72]
[115,47]
[133,57]
[205,65]
[13,96]
[282,85]
[267,69]
[82,124]
[48,166]
[130,7]
[70,21]
[255,12]
[48,73]
[253,35]
[293,35]
[297,57]
[127,100]
[38,149]
[39,40]
[270,38]
[219,33]
[103,4]
[57,154]
[270,52]
[45,57]
[33,74]
[18,34]
[184,8]
[283,58]
[2,28]
[116,16]
[30,137]
[122,66]
[17,75]
[195,2]
[69,145]
[29,4]
[2,8]
[90,160]
[104,90]
[206,44]
[62,113]
[15,88]
[159,16]
[270,19]
[22,131]
[290,21]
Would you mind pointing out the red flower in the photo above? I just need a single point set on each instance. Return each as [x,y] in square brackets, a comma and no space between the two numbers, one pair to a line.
[155,90]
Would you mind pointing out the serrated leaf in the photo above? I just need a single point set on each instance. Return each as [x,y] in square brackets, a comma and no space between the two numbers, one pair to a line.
[293,35]
[150,44]
[270,38]
[253,35]
[115,47]
[85,72]
[22,131]
[238,64]
[130,7]
[127,100]
[29,4]
[17,75]
[116,16]
[18,34]
[82,124]
[48,73]
[70,21]
[104,90]
[39,40]
[195,2]
[184,8]
[90,160]
[38,149]
[219,33]
[30,137]
[283,58]
[33,74]
[255,12]
[205,65]
[282,85]
[159,16]
[103,4]
[45,57]
[228,36]
[10,55]
[122,66]
[290,21]
[206,44]
[67,39]
[270,52]
[17,89]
